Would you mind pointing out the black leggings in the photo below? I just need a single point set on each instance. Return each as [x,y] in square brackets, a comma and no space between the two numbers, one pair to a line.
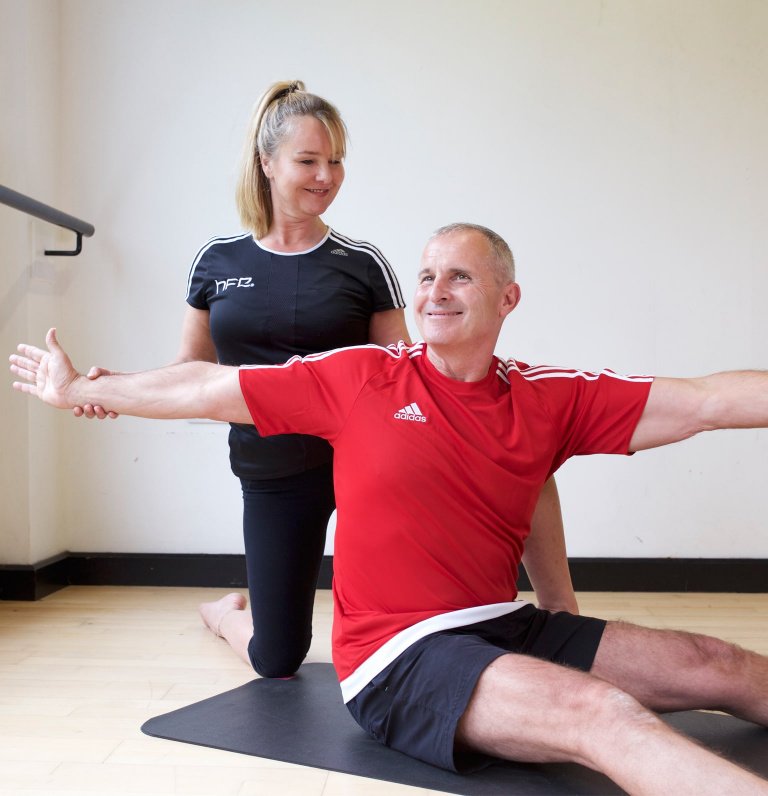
[284,525]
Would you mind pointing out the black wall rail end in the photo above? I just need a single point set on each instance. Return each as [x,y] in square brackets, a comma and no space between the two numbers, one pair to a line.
[37,209]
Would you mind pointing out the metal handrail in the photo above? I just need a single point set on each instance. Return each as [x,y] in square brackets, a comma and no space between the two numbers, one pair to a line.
[37,209]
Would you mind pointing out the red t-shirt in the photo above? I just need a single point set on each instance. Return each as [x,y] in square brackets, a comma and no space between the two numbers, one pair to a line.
[436,480]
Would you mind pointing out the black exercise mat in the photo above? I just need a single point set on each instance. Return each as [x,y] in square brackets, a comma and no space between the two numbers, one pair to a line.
[304,721]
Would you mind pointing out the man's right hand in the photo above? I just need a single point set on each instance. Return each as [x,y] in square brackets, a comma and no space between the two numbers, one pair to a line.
[49,374]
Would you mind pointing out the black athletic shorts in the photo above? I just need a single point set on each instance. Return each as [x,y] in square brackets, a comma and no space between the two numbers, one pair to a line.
[415,703]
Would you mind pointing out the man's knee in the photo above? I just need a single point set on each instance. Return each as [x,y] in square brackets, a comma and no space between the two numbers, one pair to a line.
[601,711]
[683,651]
[542,712]
[708,653]
[597,701]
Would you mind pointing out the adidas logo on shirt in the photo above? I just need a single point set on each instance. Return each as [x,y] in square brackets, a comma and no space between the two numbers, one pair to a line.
[341,252]
[411,412]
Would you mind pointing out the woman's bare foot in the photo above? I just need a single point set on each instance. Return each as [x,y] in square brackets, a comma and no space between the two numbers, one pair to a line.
[214,613]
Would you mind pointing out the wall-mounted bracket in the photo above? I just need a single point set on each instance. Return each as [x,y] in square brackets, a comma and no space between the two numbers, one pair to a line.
[51,215]
[78,248]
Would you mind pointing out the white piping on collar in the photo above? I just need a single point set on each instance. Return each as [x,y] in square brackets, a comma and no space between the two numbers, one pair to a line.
[295,254]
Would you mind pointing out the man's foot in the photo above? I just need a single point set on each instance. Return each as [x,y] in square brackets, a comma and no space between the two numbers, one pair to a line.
[213,613]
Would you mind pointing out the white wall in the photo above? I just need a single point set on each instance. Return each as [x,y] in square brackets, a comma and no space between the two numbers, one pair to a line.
[619,147]
[31,529]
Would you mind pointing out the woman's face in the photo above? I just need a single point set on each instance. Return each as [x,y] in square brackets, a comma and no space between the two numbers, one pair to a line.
[306,174]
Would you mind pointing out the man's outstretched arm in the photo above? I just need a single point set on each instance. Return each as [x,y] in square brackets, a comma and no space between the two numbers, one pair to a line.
[680,408]
[187,390]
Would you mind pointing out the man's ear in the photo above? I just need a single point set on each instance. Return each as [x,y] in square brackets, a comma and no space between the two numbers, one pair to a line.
[510,298]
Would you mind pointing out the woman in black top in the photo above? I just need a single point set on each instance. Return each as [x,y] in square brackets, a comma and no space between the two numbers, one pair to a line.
[290,285]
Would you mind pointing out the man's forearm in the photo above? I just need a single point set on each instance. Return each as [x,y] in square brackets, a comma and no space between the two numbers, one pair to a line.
[738,399]
[186,390]
[545,559]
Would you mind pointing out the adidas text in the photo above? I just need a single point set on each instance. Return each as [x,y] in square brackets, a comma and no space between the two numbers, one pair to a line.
[411,412]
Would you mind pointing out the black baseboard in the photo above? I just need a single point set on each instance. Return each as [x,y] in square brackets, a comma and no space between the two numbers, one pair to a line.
[33,582]
[158,569]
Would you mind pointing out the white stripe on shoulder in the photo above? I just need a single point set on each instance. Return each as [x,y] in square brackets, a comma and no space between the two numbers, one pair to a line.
[395,351]
[552,372]
[416,350]
[207,245]
[501,369]
[388,272]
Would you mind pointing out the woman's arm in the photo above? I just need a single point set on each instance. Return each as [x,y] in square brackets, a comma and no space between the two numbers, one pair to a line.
[388,327]
[545,558]
[196,341]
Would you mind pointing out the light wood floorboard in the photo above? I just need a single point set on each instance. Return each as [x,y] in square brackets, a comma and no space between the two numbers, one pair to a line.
[83,669]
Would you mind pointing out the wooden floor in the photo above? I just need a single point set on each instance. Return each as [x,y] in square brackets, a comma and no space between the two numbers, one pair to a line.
[84,668]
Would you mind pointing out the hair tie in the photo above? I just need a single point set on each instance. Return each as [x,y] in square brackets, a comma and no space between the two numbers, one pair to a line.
[283,93]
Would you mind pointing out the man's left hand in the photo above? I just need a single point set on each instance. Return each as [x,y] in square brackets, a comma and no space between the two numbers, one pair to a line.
[49,374]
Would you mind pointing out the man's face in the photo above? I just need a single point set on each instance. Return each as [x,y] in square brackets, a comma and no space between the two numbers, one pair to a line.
[458,300]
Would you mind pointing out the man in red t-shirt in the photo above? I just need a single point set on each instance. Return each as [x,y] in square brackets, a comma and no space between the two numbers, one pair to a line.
[441,451]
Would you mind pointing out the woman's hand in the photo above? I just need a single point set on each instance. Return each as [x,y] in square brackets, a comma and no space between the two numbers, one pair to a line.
[89,410]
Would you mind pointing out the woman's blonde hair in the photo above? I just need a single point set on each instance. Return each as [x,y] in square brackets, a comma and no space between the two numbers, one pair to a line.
[272,120]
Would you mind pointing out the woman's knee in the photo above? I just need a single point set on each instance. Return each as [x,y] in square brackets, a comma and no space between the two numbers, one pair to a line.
[276,661]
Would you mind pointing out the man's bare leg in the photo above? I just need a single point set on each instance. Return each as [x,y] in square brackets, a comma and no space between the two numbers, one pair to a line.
[228,618]
[529,710]
[684,671]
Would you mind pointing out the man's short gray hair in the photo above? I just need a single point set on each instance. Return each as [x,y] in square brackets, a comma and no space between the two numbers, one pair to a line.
[504,270]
